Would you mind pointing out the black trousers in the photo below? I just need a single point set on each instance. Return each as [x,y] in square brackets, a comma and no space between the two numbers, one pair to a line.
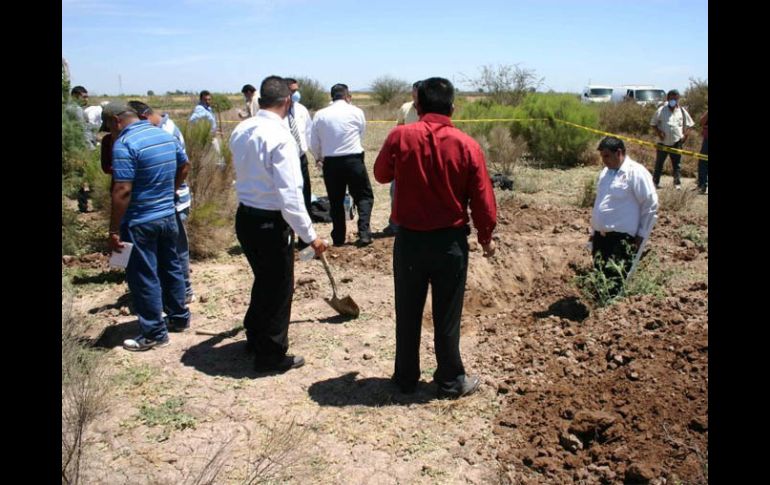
[305,181]
[348,172]
[616,246]
[305,193]
[676,163]
[440,258]
[266,241]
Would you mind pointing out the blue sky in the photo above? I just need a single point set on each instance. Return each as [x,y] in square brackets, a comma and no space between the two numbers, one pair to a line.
[220,45]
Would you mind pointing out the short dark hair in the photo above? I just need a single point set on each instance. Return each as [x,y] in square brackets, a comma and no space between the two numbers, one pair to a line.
[436,95]
[202,94]
[78,90]
[273,91]
[673,92]
[291,80]
[612,144]
[339,91]
[142,109]
[416,85]
[248,88]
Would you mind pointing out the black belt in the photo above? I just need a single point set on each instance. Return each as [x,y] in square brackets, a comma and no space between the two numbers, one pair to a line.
[612,234]
[253,211]
[340,157]
[465,230]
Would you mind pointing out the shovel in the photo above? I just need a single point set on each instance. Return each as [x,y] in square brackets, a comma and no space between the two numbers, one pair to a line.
[344,306]
[636,261]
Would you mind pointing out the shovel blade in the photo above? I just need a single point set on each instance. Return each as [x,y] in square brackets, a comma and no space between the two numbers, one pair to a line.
[344,306]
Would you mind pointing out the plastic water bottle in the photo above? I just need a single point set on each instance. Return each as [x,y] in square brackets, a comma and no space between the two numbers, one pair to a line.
[308,253]
[348,208]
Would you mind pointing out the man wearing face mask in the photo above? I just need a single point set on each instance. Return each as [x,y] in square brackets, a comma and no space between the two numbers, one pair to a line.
[337,134]
[269,187]
[299,122]
[672,124]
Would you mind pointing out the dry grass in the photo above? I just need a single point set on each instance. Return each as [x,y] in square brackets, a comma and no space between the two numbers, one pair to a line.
[674,200]
[84,391]
[210,226]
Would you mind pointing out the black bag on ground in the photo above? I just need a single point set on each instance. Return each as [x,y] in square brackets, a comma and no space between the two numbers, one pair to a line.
[501,181]
[320,210]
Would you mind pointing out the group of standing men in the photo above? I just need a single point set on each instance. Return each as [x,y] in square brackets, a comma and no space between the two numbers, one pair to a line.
[436,172]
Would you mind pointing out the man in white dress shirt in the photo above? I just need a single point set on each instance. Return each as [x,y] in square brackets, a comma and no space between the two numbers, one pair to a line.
[624,212]
[336,140]
[269,188]
[250,96]
[299,116]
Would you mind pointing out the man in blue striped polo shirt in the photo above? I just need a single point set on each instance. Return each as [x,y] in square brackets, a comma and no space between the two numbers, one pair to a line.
[148,165]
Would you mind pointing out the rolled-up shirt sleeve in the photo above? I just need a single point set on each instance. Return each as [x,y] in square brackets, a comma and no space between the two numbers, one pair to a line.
[287,178]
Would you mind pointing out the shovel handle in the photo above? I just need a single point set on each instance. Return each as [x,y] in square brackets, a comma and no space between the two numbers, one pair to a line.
[635,264]
[329,273]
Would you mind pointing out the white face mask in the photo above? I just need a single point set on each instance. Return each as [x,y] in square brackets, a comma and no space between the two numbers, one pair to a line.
[672,103]
[296,96]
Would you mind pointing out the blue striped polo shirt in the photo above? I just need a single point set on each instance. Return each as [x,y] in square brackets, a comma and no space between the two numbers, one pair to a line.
[148,157]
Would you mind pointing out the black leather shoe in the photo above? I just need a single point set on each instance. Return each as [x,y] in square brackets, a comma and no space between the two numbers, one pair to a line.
[364,240]
[470,385]
[288,362]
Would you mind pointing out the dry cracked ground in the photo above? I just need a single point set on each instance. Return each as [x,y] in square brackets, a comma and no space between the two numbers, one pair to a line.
[571,394]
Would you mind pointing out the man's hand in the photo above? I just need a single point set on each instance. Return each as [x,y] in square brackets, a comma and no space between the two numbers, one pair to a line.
[489,249]
[114,242]
[319,246]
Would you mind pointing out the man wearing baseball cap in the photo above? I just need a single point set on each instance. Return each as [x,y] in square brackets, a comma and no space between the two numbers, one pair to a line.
[148,165]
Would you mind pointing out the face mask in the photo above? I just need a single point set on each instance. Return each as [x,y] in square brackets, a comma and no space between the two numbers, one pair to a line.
[672,103]
[295,97]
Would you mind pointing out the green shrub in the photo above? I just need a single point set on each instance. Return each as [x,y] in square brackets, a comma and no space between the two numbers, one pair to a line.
[387,88]
[314,95]
[552,142]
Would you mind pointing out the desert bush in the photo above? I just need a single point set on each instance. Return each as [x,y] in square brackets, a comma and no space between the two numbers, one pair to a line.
[387,88]
[314,95]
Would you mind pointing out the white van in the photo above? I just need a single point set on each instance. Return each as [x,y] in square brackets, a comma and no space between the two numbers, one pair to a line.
[594,93]
[643,94]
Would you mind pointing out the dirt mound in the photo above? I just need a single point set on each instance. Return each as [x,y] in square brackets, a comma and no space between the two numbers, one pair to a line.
[613,395]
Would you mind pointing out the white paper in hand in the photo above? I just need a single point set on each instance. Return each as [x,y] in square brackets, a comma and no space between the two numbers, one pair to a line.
[120,260]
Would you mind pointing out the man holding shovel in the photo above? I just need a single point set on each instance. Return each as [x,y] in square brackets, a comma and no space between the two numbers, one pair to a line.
[624,212]
[439,171]
[269,187]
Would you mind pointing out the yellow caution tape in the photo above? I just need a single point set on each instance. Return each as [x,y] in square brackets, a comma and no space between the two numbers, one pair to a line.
[587,128]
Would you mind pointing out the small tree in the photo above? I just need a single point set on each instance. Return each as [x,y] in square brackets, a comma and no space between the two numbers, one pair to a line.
[506,84]
[386,88]
[696,97]
[220,103]
[150,92]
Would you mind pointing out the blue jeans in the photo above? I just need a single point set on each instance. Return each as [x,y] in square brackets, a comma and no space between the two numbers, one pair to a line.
[183,248]
[703,166]
[154,275]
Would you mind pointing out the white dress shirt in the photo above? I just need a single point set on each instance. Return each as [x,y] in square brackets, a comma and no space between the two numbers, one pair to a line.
[337,130]
[267,170]
[304,125]
[626,200]
[671,123]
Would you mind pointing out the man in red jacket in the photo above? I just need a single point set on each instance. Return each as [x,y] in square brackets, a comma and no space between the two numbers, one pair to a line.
[439,172]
